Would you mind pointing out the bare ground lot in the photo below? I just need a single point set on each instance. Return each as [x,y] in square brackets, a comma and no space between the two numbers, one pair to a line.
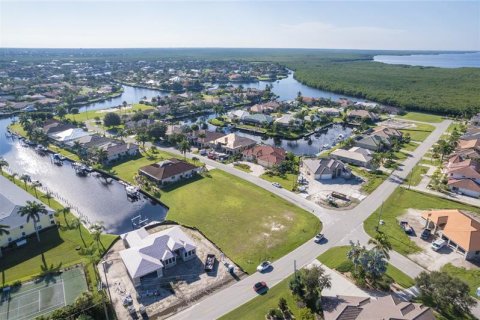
[429,259]
[180,286]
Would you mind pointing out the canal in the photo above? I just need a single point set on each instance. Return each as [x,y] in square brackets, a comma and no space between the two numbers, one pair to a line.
[90,196]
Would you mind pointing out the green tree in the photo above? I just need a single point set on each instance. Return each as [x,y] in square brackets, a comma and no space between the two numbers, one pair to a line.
[48,195]
[381,243]
[3,164]
[111,119]
[32,211]
[444,291]
[25,178]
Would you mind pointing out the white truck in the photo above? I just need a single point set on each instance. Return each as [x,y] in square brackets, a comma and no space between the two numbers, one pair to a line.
[438,244]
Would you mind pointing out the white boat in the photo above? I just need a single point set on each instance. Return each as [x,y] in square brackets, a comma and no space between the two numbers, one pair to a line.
[326,146]
[132,191]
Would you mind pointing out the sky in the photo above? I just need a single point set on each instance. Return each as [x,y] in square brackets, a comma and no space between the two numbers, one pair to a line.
[389,25]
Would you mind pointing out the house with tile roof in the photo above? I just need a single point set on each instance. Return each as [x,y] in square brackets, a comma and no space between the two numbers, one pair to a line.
[355,155]
[373,142]
[382,308]
[169,171]
[361,115]
[459,228]
[147,255]
[265,155]
[232,144]
[324,169]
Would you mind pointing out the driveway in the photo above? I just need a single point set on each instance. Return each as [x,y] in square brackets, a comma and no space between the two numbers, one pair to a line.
[257,170]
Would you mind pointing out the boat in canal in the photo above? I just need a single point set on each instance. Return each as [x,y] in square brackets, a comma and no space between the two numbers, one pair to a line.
[132,191]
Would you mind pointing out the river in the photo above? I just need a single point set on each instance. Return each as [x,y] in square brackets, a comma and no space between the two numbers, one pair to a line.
[444,60]
[89,195]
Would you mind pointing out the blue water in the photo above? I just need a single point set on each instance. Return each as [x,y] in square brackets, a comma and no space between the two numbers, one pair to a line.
[446,60]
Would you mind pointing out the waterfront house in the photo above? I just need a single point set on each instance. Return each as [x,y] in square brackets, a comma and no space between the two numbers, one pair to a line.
[267,107]
[288,120]
[355,155]
[12,198]
[366,308]
[51,126]
[324,169]
[232,144]
[147,255]
[460,229]
[237,114]
[373,142]
[361,115]
[257,119]
[265,155]
[117,149]
[169,171]
[331,112]
[65,136]
[202,138]
[388,133]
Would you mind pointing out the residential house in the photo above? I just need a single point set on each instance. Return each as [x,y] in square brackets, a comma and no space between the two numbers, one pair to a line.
[65,136]
[388,133]
[373,142]
[148,255]
[288,120]
[267,107]
[257,119]
[232,144]
[12,198]
[460,229]
[169,171]
[324,169]
[265,155]
[361,115]
[475,120]
[355,155]
[464,186]
[237,114]
[51,126]
[202,138]
[464,170]
[331,112]
[389,307]
[142,123]
[117,149]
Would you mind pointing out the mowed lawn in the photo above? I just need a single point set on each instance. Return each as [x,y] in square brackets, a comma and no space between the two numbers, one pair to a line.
[423,117]
[258,307]
[471,277]
[420,132]
[396,205]
[91,114]
[287,182]
[336,258]
[247,222]
[416,175]
[57,247]
[373,180]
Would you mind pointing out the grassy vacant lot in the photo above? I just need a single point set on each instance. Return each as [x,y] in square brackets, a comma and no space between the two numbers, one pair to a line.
[90,115]
[373,179]
[416,175]
[258,307]
[248,223]
[218,203]
[336,258]
[420,132]
[396,205]
[472,277]
[423,117]
[57,248]
[286,182]
[410,147]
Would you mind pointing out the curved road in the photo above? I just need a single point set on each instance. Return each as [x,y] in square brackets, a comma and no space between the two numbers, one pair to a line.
[338,226]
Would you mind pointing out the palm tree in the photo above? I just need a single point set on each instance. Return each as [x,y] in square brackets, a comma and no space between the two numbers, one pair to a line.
[25,178]
[3,230]
[48,196]
[142,138]
[96,231]
[355,253]
[184,147]
[381,243]
[35,185]
[32,211]
[3,163]
[102,155]
[14,175]
[77,224]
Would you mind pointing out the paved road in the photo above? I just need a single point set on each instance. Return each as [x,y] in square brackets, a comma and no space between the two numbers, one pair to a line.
[339,228]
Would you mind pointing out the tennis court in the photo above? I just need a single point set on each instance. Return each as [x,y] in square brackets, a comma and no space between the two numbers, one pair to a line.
[38,298]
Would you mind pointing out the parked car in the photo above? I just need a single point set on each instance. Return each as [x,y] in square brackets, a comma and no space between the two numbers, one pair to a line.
[426,233]
[260,287]
[276,184]
[406,227]
[438,244]
[264,266]
[202,152]
[319,237]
